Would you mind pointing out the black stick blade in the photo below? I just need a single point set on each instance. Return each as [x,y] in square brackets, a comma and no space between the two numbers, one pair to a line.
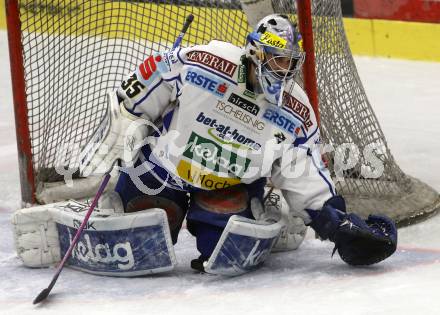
[42,296]
[188,21]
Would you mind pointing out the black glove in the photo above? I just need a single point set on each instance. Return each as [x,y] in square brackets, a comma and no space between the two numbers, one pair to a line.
[358,242]
[365,242]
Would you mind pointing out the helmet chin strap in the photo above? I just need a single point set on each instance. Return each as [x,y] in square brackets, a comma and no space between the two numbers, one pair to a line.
[280,97]
[259,77]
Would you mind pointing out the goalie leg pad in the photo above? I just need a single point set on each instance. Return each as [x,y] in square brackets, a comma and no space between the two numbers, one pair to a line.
[36,237]
[243,246]
[209,212]
[119,245]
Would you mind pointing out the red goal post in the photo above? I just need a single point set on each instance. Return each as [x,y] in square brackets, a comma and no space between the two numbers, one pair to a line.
[27,178]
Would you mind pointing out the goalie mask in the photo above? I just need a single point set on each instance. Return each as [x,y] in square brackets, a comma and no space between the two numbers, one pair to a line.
[275,47]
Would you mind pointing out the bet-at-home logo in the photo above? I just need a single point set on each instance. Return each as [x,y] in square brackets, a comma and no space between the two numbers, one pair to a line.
[212,156]
[225,135]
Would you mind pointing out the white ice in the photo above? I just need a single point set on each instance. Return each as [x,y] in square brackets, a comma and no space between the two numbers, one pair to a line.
[406,98]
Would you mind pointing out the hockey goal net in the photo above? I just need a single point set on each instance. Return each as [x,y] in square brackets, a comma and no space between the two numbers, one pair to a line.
[65,55]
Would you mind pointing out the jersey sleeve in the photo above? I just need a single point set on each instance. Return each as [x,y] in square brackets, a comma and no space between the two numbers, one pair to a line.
[301,174]
[155,83]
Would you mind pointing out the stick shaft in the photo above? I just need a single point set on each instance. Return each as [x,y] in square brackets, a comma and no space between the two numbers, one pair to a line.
[43,295]
[83,224]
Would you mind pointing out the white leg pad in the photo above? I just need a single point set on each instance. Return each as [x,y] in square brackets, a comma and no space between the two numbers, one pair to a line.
[111,244]
[36,237]
[243,246]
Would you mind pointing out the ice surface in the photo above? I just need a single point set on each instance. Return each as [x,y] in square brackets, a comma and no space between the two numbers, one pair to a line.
[406,98]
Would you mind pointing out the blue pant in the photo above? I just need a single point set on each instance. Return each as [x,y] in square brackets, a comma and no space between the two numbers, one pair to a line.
[205,225]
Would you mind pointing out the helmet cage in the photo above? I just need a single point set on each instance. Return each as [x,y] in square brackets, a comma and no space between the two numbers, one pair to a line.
[283,67]
[275,47]
[274,59]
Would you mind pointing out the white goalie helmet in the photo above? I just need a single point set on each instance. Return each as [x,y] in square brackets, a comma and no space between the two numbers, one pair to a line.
[275,47]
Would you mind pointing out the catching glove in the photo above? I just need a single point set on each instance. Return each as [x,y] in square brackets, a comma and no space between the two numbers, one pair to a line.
[358,242]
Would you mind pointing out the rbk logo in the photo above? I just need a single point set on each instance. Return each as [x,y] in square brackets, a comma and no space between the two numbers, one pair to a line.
[88,226]
[129,142]
[280,137]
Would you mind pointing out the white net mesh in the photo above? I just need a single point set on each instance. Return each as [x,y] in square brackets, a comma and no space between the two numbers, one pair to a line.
[75,51]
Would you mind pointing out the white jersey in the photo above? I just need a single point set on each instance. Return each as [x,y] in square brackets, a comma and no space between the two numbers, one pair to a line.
[214,133]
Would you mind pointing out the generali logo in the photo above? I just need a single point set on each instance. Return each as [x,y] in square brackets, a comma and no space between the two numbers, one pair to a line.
[212,61]
[298,108]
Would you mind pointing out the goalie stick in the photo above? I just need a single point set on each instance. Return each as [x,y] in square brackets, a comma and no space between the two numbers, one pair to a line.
[45,293]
